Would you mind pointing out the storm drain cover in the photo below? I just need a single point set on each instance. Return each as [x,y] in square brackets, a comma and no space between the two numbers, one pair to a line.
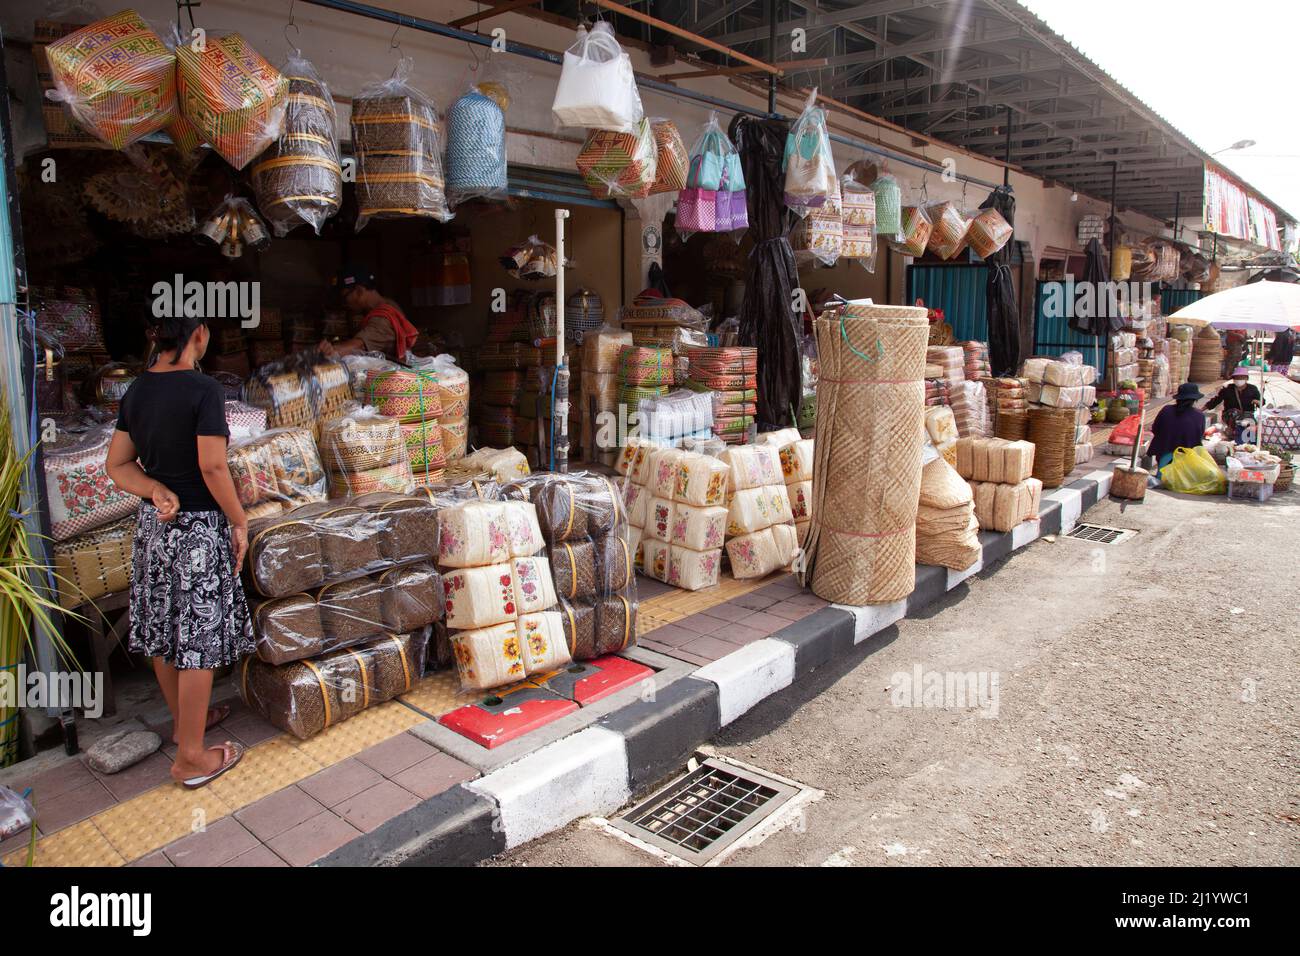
[1100,534]
[701,814]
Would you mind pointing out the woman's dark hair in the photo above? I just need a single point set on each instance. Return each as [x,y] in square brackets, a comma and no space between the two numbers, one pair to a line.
[172,334]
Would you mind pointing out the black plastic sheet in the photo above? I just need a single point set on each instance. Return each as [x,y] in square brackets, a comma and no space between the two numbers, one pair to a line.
[767,317]
[1098,320]
[1003,315]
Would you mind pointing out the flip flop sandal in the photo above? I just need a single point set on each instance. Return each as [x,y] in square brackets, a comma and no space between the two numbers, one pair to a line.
[216,715]
[235,751]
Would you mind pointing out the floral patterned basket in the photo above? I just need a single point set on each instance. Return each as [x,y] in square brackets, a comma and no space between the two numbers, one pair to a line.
[82,496]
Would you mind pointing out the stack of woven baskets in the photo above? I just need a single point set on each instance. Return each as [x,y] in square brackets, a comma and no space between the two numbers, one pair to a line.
[365,452]
[413,397]
[1207,356]
[731,374]
[643,372]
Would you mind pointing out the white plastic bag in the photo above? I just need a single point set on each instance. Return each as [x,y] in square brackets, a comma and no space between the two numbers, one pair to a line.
[16,813]
[597,84]
[809,166]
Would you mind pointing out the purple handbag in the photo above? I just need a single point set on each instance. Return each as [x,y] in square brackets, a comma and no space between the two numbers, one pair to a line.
[739,210]
[697,210]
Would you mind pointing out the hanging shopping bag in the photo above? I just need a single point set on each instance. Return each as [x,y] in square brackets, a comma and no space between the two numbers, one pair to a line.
[1193,472]
[709,157]
[697,210]
[809,166]
[739,209]
[597,84]
[735,174]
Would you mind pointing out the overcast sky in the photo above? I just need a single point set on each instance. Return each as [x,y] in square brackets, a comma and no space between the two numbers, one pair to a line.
[1218,70]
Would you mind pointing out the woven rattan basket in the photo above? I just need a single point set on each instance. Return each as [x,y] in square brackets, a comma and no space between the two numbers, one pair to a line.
[362,444]
[93,565]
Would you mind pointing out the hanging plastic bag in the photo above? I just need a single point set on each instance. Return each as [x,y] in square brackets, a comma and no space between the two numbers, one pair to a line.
[820,234]
[117,77]
[231,96]
[671,158]
[858,212]
[1193,472]
[597,86]
[808,163]
[531,259]
[621,163]
[234,224]
[889,205]
[714,197]
[395,136]
[913,232]
[298,179]
[476,148]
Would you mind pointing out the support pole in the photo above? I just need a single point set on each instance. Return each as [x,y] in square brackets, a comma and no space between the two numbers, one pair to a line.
[560,386]
[1114,176]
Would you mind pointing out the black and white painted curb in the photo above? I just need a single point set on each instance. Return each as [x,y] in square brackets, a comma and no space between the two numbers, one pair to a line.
[597,770]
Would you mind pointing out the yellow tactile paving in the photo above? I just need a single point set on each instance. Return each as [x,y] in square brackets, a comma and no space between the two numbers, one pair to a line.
[79,845]
[156,818]
[675,605]
[266,768]
[355,734]
[439,693]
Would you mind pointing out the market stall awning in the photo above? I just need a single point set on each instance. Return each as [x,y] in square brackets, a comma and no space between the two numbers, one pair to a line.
[1265,306]
[986,75]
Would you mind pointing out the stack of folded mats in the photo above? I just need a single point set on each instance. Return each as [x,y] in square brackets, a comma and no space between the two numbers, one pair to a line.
[276,471]
[970,409]
[937,391]
[676,505]
[941,427]
[500,604]
[1000,473]
[977,360]
[592,558]
[495,464]
[600,351]
[947,532]
[670,420]
[1010,402]
[797,470]
[364,452]
[643,372]
[761,532]
[1059,384]
[412,397]
[951,360]
[305,697]
[730,374]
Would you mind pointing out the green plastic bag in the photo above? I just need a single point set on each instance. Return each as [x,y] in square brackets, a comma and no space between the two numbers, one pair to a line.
[1193,472]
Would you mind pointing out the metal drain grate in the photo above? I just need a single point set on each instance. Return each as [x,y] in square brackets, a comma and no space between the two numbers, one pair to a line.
[1100,534]
[698,816]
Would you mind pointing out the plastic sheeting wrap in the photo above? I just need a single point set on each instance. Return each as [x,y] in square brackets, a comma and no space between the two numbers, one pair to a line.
[861,546]
[305,697]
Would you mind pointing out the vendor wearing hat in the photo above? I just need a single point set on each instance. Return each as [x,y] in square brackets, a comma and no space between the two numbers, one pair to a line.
[1237,398]
[385,329]
[1180,425]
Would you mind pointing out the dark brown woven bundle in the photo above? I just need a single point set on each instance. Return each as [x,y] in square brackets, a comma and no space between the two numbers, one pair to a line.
[573,566]
[399,157]
[560,510]
[288,629]
[579,619]
[351,611]
[407,526]
[349,540]
[298,178]
[412,597]
[615,624]
[284,557]
[614,562]
[307,696]
[1052,432]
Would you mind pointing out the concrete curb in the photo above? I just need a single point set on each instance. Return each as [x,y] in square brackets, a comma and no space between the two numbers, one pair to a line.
[629,750]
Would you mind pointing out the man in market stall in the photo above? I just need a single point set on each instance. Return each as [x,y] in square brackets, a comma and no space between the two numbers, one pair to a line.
[1239,398]
[385,328]
[1180,425]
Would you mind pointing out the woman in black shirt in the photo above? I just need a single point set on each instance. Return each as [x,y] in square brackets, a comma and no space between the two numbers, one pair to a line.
[188,611]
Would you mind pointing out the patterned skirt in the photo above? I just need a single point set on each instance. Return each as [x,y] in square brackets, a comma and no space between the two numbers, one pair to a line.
[187,603]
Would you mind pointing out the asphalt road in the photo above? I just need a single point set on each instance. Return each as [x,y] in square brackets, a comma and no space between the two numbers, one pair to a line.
[1147,711]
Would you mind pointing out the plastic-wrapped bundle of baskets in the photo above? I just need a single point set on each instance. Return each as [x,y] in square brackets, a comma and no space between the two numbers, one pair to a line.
[298,179]
[424,451]
[409,395]
[398,151]
[117,77]
[365,452]
[476,148]
[231,95]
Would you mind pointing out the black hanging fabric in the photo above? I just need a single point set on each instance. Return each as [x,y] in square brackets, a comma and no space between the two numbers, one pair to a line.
[767,317]
[1098,319]
[1003,316]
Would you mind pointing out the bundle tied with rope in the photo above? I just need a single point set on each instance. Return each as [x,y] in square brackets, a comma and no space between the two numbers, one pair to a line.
[861,546]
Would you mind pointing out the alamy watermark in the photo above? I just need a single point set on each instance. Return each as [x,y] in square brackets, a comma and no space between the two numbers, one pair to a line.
[946,690]
[59,690]
[1092,300]
[209,300]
